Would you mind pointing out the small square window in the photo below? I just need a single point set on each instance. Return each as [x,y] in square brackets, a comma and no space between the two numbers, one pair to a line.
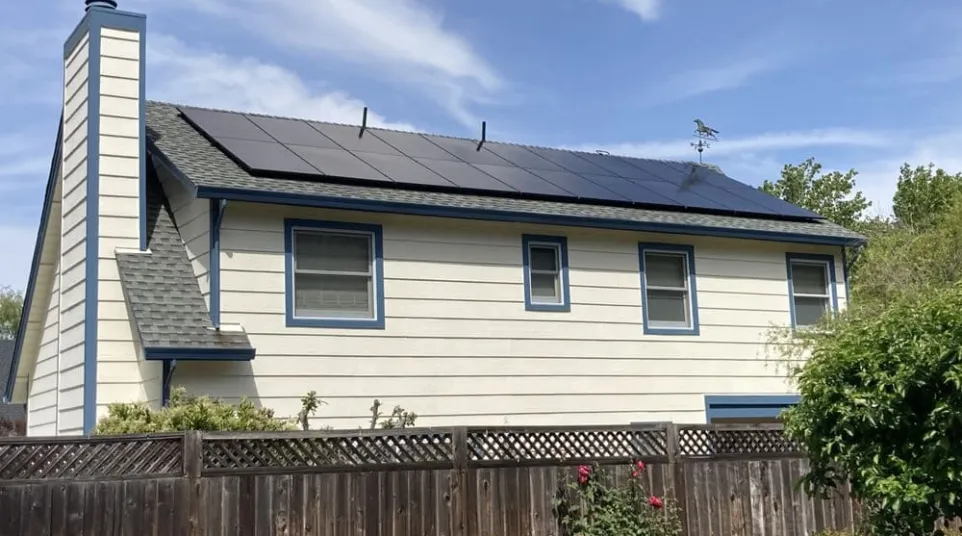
[668,289]
[545,262]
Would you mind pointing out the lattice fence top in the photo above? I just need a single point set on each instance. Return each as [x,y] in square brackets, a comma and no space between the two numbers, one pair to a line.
[599,444]
[89,459]
[224,453]
[699,441]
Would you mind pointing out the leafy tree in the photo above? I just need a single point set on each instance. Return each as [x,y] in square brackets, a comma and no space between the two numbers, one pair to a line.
[925,194]
[11,307]
[831,195]
[186,412]
[879,407]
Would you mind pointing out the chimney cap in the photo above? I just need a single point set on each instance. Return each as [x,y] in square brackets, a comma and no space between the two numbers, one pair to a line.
[109,4]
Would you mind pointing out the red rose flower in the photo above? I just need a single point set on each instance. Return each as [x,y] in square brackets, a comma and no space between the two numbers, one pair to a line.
[656,502]
[640,465]
[634,474]
[583,473]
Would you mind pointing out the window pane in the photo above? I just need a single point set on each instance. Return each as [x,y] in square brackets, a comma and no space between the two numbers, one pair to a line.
[332,252]
[665,270]
[544,288]
[809,310]
[544,258]
[668,308]
[332,296]
[809,278]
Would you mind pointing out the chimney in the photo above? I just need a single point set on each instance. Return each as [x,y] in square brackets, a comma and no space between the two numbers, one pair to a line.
[103,169]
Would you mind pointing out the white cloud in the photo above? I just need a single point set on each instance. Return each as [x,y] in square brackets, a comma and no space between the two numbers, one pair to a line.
[772,141]
[401,41]
[647,10]
[710,79]
[186,74]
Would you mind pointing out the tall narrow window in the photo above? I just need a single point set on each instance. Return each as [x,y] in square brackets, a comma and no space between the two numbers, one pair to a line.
[545,260]
[334,274]
[669,301]
[811,286]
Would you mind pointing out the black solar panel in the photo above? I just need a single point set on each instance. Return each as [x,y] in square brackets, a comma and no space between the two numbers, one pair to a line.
[292,131]
[337,163]
[225,125]
[269,145]
[403,169]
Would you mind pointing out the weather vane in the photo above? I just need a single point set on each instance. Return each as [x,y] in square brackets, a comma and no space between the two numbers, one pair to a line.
[705,135]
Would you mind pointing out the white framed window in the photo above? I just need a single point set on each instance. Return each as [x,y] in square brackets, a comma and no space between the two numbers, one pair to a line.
[545,261]
[669,300]
[811,286]
[334,274]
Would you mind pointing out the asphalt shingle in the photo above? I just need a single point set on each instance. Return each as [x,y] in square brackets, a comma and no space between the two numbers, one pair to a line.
[162,289]
[208,167]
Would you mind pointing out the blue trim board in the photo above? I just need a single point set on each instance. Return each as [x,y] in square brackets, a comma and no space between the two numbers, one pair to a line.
[561,243]
[415,209]
[166,374]
[35,263]
[142,129]
[689,251]
[746,406]
[811,258]
[217,207]
[199,354]
[357,323]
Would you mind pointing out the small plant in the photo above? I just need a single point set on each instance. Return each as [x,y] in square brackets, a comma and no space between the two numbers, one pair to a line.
[9,428]
[309,404]
[596,505]
[399,417]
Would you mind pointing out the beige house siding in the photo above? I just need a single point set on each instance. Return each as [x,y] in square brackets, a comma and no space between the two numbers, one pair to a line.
[460,348]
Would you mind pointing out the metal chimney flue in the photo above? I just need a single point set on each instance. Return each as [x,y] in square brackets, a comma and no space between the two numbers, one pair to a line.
[109,4]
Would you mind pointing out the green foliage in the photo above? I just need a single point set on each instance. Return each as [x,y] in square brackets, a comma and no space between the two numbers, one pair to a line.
[11,307]
[924,195]
[596,505]
[186,412]
[9,428]
[309,405]
[880,403]
[399,417]
[827,194]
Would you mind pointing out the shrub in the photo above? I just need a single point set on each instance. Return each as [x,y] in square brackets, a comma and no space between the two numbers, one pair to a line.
[185,412]
[9,428]
[595,504]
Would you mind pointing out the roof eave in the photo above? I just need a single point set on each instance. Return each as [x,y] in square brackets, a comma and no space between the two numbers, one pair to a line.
[416,209]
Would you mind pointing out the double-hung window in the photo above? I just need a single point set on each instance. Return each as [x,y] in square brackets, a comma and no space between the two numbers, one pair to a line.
[334,274]
[669,300]
[545,260]
[811,287]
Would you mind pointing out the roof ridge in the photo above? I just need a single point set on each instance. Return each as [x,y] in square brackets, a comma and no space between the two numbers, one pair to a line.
[446,136]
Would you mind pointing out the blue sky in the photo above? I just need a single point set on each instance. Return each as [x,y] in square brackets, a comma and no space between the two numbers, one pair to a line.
[856,83]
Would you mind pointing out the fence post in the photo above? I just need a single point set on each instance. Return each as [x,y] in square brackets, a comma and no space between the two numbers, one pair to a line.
[193,465]
[459,442]
[676,463]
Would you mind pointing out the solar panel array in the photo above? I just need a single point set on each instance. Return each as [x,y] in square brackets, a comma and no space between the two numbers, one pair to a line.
[277,146]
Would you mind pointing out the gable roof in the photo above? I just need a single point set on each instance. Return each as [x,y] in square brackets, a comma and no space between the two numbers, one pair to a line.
[163,293]
[191,157]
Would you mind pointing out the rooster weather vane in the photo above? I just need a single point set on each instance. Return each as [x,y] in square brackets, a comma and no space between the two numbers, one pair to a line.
[705,135]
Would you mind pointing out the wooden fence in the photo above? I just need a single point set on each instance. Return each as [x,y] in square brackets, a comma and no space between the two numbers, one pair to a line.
[728,480]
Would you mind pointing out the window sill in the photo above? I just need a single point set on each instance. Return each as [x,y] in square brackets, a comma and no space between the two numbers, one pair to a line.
[548,307]
[671,331]
[336,323]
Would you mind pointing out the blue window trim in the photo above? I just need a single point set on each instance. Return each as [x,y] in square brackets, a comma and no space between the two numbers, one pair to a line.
[829,260]
[561,244]
[217,209]
[689,252]
[746,406]
[376,233]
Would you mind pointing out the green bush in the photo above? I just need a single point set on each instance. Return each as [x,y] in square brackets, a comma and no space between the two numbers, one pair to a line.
[186,412]
[880,407]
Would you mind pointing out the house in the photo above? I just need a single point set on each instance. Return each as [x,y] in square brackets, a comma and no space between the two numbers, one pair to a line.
[470,281]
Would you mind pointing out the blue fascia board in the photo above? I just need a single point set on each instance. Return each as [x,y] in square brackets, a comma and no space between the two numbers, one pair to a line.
[747,406]
[415,209]
[217,208]
[199,354]
[689,252]
[35,263]
[377,233]
[562,244]
[811,257]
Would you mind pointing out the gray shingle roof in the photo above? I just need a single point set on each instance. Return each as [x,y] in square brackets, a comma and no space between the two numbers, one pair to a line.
[208,168]
[13,412]
[162,290]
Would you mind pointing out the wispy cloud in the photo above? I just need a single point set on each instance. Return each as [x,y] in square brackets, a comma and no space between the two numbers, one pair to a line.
[720,76]
[681,148]
[401,41]
[188,74]
[647,10]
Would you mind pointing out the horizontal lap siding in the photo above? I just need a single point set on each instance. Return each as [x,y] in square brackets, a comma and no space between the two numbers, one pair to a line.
[460,348]
[122,376]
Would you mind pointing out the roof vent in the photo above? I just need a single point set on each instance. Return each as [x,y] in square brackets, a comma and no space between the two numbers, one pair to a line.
[109,4]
